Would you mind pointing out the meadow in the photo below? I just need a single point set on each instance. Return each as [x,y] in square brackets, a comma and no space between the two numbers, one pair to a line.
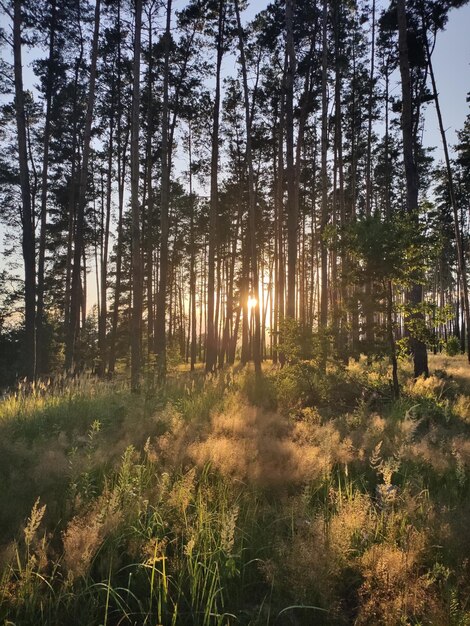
[297,498]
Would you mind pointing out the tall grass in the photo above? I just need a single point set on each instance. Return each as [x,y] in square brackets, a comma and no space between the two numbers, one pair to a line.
[298,499]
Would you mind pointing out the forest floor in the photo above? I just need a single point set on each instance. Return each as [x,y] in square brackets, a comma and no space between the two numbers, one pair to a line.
[298,498]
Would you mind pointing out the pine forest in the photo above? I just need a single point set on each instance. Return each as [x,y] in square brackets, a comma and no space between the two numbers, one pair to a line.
[234,313]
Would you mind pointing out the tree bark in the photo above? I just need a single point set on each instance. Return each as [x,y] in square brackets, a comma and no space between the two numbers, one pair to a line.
[160,330]
[324,179]
[40,339]
[121,175]
[28,239]
[369,310]
[415,296]
[292,207]
[150,195]
[136,319]
[72,199]
[461,260]
[251,203]
[211,339]
[75,295]
[103,310]
[279,208]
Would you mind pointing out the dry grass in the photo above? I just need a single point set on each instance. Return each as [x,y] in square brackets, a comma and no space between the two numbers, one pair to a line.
[86,532]
[456,367]
[392,589]
[264,448]
[210,504]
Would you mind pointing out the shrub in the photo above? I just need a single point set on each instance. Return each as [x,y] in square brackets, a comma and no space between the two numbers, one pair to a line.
[298,342]
[453,346]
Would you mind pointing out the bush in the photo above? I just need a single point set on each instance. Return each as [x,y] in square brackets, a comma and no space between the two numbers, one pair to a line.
[298,342]
[453,346]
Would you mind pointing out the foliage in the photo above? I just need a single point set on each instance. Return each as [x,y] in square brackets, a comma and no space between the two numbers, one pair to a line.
[452,346]
[297,341]
[10,355]
[394,249]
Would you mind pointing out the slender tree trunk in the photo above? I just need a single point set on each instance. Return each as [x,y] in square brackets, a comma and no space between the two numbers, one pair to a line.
[369,309]
[244,293]
[324,178]
[342,336]
[211,339]
[461,260]
[28,239]
[72,199]
[313,234]
[75,295]
[103,310]
[217,300]
[292,207]
[391,338]
[121,171]
[40,339]
[388,207]
[160,333]
[275,304]
[192,331]
[355,337]
[279,207]
[83,290]
[202,307]
[251,203]
[121,157]
[150,196]
[136,320]
[227,339]
[369,119]
[415,295]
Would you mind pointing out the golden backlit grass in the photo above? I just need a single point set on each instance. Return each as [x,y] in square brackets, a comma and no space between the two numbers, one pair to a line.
[298,498]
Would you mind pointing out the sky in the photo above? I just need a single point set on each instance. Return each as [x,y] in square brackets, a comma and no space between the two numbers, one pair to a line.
[451,60]
[451,63]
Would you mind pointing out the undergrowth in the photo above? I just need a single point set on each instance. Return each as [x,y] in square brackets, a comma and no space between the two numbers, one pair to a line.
[298,497]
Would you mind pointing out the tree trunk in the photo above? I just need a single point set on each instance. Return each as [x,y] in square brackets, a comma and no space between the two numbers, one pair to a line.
[40,339]
[75,295]
[28,243]
[251,203]
[279,208]
[72,199]
[292,207]
[369,310]
[211,339]
[461,260]
[342,337]
[103,310]
[160,326]
[415,296]
[324,178]
[150,196]
[391,338]
[136,320]
[121,158]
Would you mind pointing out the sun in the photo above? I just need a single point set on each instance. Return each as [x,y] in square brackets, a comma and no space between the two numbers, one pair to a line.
[252,302]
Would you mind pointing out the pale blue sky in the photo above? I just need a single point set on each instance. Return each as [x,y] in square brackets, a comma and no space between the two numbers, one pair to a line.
[451,61]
